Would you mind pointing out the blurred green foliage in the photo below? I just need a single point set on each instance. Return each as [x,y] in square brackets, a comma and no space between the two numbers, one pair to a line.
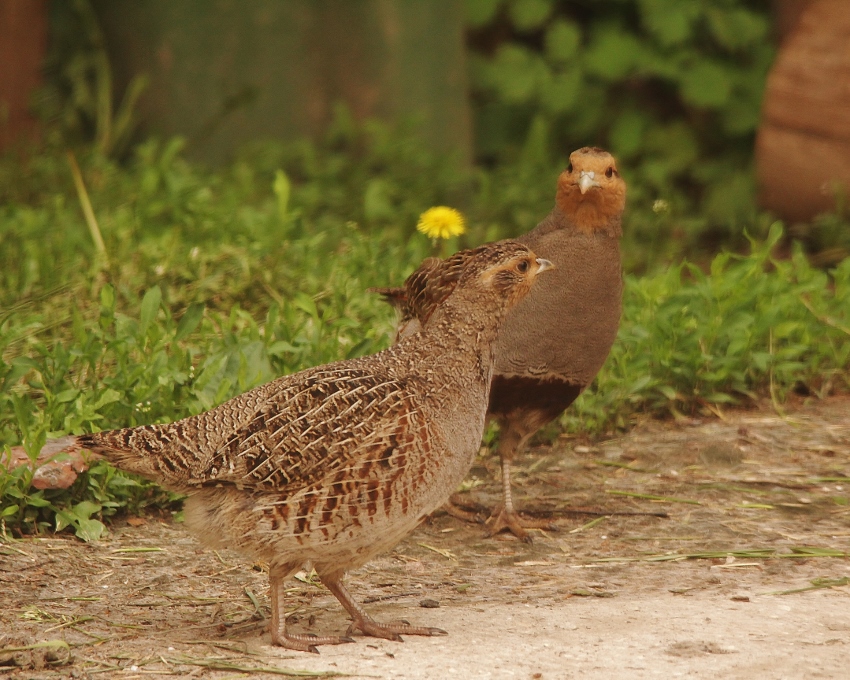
[672,88]
[78,98]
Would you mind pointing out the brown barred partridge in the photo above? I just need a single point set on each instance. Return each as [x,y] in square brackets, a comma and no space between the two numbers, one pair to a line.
[554,342]
[332,465]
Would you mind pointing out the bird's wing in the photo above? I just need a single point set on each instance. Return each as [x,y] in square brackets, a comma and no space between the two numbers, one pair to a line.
[332,420]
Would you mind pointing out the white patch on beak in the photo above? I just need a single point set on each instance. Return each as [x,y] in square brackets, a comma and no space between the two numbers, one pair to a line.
[586,180]
[544,265]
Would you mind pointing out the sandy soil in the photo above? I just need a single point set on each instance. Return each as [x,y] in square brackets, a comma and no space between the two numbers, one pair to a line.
[756,505]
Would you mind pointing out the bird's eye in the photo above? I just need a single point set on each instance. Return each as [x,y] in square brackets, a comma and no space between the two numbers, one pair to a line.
[609,173]
[522,266]
[569,167]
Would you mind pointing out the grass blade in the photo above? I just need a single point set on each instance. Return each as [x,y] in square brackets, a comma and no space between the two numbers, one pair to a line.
[86,206]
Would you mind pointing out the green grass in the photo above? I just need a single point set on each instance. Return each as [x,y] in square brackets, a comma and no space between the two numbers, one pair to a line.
[210,283]
[692,342]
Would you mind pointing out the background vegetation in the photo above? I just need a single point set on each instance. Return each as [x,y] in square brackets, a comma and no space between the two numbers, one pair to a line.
[136,287]
[672,88]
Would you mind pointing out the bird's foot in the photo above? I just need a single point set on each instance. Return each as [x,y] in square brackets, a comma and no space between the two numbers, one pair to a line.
[502,520]
[308,642]
[464,510]
[391,631]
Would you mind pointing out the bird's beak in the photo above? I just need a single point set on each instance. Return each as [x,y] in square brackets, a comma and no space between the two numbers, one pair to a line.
[586,180]
[544,265]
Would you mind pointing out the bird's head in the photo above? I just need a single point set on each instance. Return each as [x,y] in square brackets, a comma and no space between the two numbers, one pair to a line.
[591,192]
[505,270]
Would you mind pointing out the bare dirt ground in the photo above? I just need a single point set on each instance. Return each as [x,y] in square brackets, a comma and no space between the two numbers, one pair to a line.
[756,506]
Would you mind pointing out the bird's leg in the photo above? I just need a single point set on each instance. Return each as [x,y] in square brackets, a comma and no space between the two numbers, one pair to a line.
[365,623]
[505,516]
[302,643]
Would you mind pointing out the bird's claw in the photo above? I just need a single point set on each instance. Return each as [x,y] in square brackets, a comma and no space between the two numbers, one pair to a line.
[502,520]
[392,631]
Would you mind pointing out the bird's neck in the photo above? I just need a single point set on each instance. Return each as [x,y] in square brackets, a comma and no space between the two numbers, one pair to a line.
[594,212]
[455,348]
[475,331]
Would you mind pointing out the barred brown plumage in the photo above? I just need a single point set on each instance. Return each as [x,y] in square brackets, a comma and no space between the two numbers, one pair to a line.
[554,342]
[334,464]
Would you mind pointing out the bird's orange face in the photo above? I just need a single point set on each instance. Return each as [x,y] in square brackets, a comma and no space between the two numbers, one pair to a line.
[590,191]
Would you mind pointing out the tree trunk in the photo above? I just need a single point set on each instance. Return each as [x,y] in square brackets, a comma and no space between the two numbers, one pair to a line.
[23,41]
[803,144]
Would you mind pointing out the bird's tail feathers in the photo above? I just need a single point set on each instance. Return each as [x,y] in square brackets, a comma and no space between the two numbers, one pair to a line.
[151,451]
[395,297]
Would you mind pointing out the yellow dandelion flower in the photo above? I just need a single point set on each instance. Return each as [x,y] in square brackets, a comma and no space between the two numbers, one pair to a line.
[441,222]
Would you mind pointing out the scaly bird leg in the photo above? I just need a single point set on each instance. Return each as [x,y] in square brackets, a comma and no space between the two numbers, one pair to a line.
[302,643]
[504,516]
[365,623]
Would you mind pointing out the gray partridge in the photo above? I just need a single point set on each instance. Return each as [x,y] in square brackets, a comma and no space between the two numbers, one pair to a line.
[332,465]
[554,342]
